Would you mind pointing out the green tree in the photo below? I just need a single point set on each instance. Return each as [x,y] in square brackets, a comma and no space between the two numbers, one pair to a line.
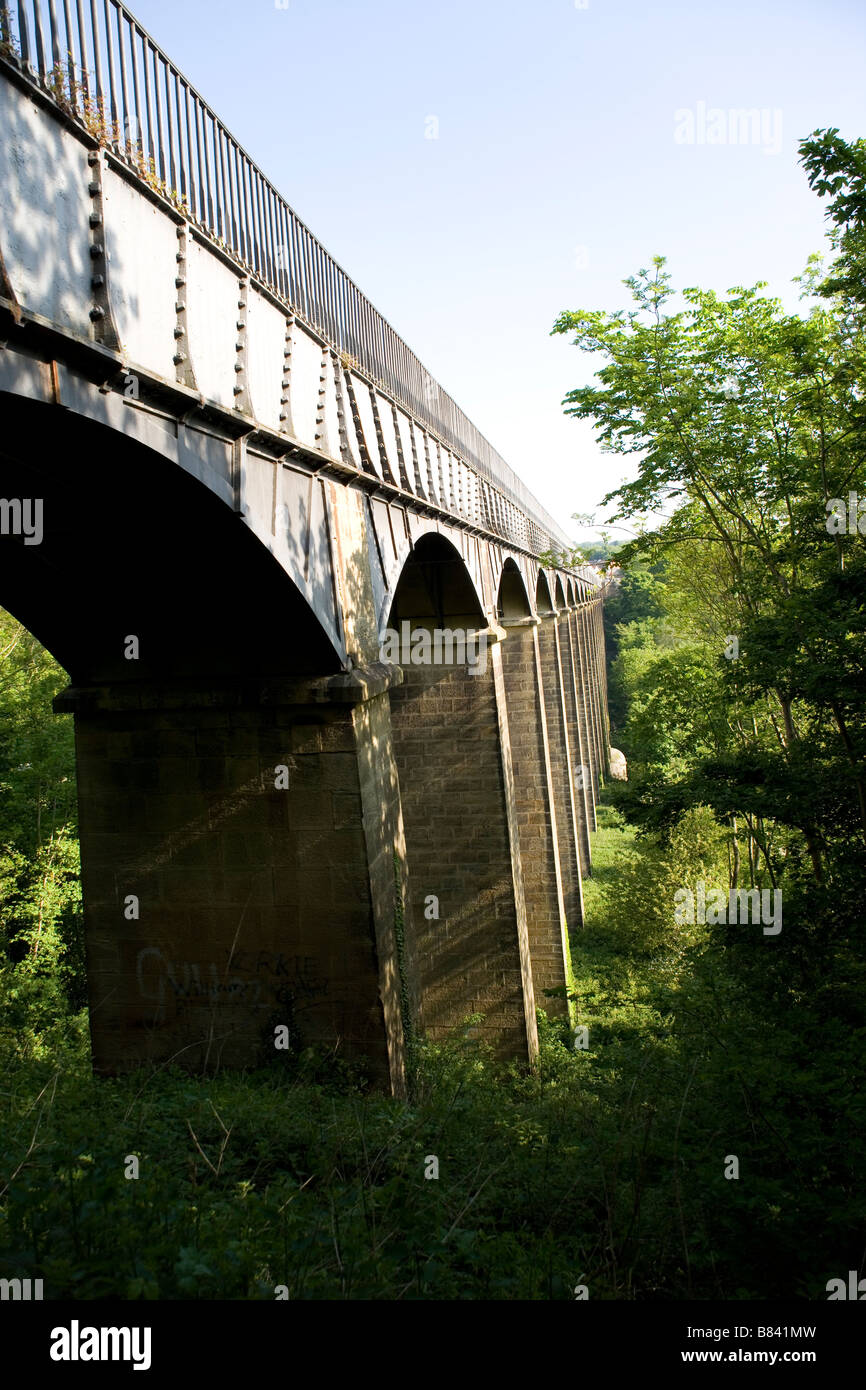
[41,935]
[836,168]
[747,423]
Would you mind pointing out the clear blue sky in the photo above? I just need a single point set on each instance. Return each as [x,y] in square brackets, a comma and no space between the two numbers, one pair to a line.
[555,174]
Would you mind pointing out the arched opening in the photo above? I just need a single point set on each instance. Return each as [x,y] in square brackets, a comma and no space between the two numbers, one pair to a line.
[463,952]
[571,599]
[132,545]
[223,854]
[513,601]
[41,932]
[543,600]
[554,652]
[435,589]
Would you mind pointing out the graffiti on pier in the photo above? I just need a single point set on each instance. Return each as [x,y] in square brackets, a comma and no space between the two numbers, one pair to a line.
[251,978]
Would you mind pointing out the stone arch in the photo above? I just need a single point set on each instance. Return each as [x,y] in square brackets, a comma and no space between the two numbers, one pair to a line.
[571,593]
[543,597]
[559,594]
[424,534]
[435,588]
[221,780]
[512,599]
[454,798]
[133,544]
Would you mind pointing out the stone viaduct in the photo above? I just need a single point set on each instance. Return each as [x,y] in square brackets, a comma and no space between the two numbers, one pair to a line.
[227,489]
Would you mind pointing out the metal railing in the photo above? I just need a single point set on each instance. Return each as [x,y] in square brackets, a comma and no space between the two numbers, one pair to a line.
[99,63]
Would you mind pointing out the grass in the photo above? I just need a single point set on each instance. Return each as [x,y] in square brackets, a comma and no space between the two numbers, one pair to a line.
[604,1167]
[612,839]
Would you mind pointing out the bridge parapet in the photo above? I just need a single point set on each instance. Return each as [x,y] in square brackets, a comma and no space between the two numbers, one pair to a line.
[244,305]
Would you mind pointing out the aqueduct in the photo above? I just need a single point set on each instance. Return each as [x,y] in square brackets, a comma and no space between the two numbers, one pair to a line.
[245,478]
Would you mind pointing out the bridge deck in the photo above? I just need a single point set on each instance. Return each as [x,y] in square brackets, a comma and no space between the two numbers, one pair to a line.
[104,71]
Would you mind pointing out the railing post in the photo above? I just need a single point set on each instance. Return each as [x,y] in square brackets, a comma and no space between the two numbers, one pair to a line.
[97,58]
[55,36]
[70,56]
[23,35]
[40,44]
[112,80]
[82,51]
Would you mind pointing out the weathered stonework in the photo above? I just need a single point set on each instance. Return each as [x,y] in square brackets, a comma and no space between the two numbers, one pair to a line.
[536,811]
[453,792]
[256,839]
[561,768]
